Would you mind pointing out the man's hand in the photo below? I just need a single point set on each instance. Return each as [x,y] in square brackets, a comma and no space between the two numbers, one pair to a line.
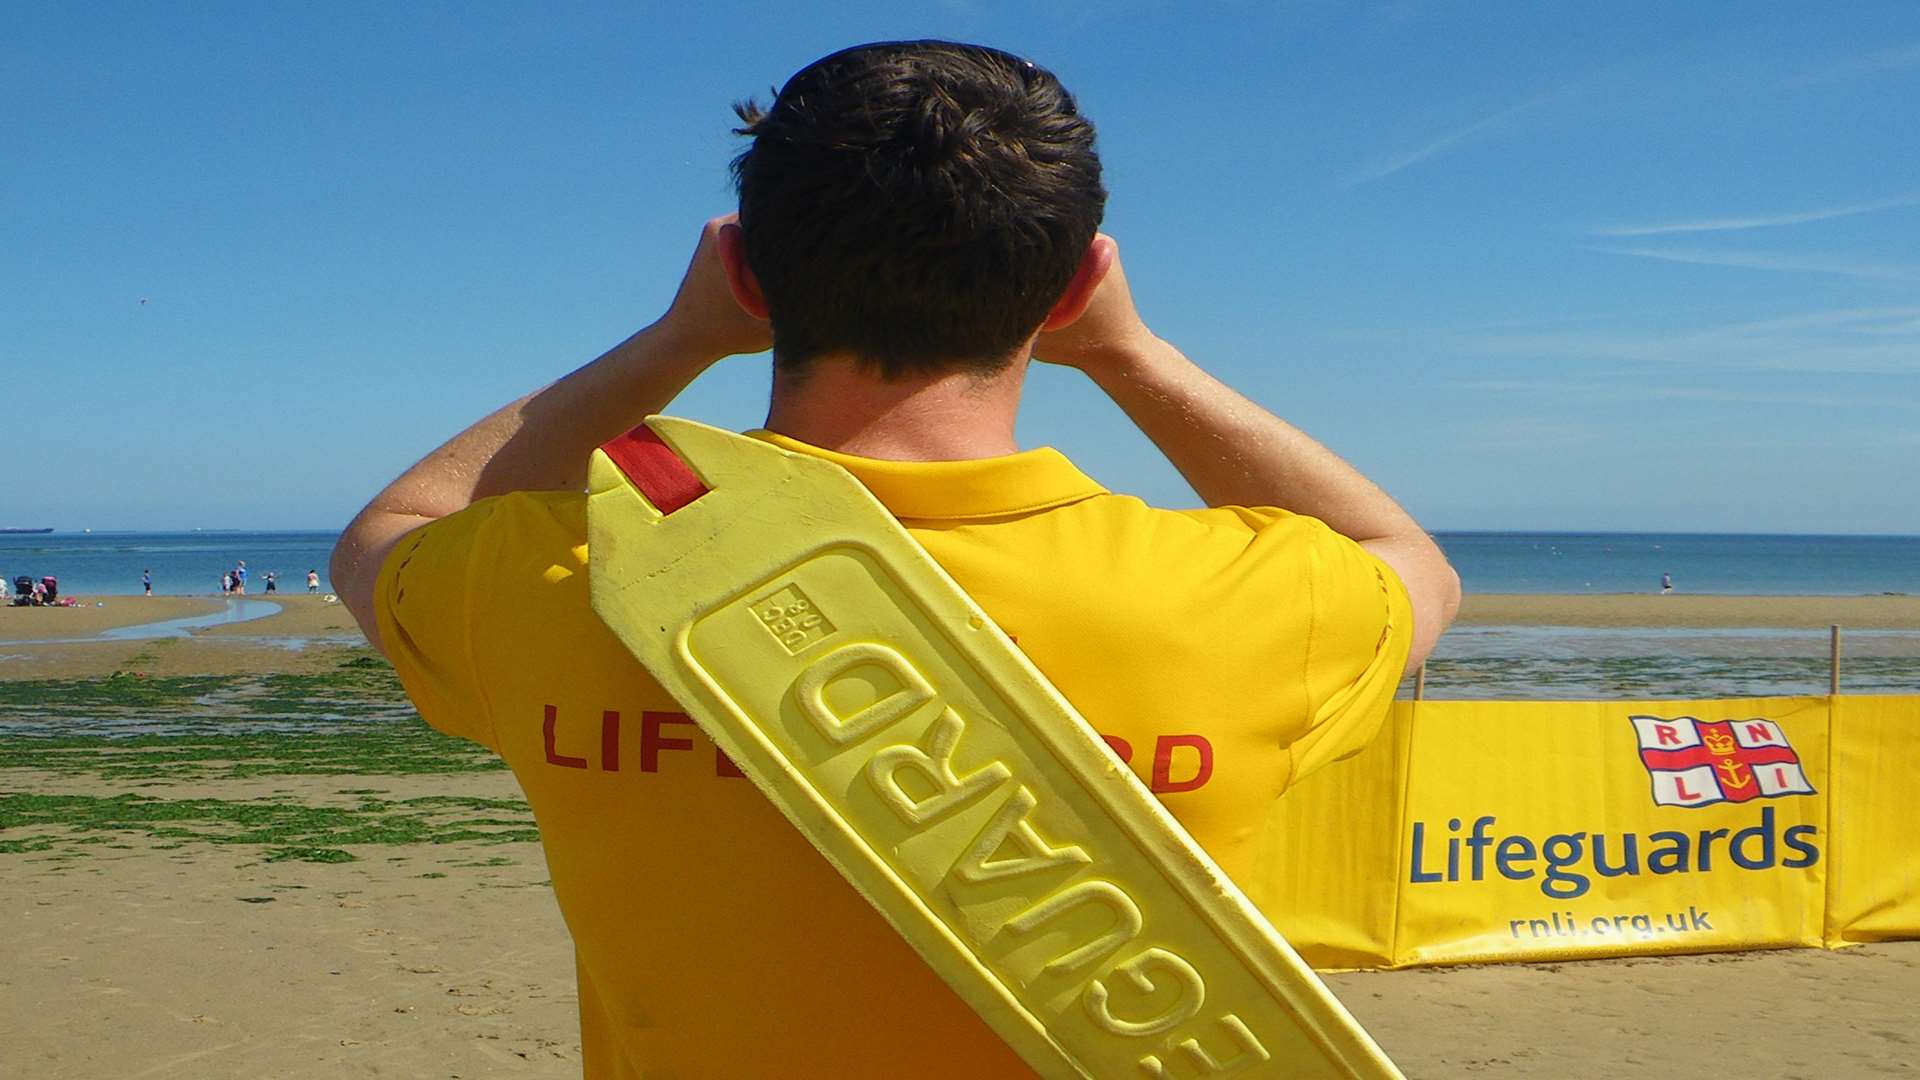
[704,318]
[1231,450]
[1109,331]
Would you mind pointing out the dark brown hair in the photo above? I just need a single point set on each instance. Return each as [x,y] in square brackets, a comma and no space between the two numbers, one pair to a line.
[918,204]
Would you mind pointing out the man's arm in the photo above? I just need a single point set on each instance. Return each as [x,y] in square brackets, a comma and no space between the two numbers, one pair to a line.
[542,441]
[1236,453]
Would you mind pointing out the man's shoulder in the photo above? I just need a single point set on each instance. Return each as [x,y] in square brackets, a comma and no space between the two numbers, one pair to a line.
[518,516]
[524,530]
[1242,524]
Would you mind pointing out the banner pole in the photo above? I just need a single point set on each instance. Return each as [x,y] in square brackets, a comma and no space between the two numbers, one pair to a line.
[1833,659]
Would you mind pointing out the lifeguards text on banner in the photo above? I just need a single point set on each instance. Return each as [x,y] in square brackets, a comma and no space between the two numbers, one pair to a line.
[1480,831]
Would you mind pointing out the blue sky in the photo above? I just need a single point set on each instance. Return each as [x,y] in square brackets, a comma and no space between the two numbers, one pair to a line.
[1626,266]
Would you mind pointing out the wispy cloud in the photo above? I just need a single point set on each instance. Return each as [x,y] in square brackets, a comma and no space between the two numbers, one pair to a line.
[1754,260]
[1756,221]
[1484,128]
[1870,64]
[1883,340]
[1533,433]
[1637,388]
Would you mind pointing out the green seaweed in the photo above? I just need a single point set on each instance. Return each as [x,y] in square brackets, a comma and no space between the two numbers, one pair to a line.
[310,854]
[283,824]
[158,733]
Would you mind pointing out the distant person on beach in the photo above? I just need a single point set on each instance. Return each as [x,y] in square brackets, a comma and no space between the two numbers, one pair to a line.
[313,581]
[226,582]
[240,578]
[272,580]
[917,220]
[1666,583]
[146,582]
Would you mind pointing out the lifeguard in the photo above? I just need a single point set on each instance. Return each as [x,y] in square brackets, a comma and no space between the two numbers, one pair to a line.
[916,221]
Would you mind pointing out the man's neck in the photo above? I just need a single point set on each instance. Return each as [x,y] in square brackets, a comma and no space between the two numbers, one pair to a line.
[956,416]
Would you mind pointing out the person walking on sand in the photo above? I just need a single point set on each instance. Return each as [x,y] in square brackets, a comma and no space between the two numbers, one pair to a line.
[240,578]
[272,579]
[313,581]
[1666,583]
[146,582]
[917,221]
[226,582]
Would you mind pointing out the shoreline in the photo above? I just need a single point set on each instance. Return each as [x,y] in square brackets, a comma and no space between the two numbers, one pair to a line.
[1865,610]
[307,634]
[304,616]
[1690,611]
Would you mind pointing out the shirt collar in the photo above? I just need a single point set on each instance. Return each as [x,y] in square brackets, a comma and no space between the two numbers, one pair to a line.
[959,490]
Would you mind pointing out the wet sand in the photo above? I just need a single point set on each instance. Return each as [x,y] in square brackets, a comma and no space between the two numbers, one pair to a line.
[309,621]
[306,634]
[98,613]
[1696,612]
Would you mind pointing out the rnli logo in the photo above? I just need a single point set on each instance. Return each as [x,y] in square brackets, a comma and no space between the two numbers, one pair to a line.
[1698,763]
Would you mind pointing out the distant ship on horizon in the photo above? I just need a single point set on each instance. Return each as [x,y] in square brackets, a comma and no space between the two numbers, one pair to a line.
[13,531]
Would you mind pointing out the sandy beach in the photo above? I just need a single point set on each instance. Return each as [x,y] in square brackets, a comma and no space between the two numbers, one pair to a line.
[304,635]
[452,961]
[304,617]
[1695,612]
[97,613]
[259,889]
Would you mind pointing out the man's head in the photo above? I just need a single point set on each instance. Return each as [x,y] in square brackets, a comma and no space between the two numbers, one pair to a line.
[917,205]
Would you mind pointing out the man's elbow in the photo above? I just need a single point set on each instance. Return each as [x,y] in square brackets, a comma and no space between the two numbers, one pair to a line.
[343,572]
[1436,601]
[354,570]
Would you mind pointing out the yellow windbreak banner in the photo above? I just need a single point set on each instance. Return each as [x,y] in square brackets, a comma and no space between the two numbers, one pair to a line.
[1485,831]
[1874,879]
[1324,874]
[1587,829]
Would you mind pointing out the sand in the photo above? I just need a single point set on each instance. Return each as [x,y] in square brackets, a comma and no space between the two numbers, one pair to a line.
[306,634]
[1653,610]
[207,962]
[1803,1014]
[210,963]
[301,615]
[142,959]
[97,613]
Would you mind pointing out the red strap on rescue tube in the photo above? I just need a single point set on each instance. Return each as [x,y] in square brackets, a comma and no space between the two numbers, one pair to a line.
[659,473]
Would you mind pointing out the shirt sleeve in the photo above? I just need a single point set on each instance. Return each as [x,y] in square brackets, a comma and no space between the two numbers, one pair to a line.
[425,603]
[1348,619]
[1358,640]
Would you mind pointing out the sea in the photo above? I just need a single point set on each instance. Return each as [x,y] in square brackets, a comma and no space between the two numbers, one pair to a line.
[110,563]
[1471,662]
[182,563]
[1713,563]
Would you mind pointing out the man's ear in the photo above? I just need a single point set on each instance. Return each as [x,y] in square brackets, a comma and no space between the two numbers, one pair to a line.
[1094,266]
[740,280]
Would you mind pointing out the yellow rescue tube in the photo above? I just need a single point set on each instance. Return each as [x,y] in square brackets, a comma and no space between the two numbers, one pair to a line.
[896,726]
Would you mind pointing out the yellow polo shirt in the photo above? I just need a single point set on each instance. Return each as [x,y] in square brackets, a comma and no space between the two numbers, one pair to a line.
[1223,653]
